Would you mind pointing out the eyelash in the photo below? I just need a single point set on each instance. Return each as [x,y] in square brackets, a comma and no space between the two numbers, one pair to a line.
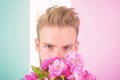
[48,46]
[68,48]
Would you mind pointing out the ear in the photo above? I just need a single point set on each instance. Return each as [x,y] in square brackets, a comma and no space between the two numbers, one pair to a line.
[37,45]
[76,45]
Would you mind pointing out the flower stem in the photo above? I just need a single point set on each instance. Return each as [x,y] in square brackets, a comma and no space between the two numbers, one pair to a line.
[62,77]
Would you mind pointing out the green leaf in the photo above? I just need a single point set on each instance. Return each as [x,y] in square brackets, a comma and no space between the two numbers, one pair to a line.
[40,74]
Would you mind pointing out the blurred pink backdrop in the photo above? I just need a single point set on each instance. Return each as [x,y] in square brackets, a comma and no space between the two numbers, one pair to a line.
[100,36]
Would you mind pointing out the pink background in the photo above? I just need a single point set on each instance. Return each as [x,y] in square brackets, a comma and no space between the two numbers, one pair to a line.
[99,36]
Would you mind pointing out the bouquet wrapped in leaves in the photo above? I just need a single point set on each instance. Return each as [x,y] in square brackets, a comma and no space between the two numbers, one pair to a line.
[68,68]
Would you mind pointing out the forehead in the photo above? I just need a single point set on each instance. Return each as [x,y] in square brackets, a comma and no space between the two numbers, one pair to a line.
[58,36]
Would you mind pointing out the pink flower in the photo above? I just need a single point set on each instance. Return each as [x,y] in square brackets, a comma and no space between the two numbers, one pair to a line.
[47,62]
[46,78]
[33,76]
[57,68]
[75,76]
[88,76]
[67,72]
[68,68]
[74,59]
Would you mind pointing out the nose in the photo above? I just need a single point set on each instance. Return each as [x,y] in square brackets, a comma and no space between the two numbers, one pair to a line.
[58,52]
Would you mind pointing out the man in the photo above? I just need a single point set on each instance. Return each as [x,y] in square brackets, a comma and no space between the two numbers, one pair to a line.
[57,31]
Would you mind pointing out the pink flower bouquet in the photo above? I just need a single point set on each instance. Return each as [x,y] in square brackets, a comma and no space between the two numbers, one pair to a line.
[69,68]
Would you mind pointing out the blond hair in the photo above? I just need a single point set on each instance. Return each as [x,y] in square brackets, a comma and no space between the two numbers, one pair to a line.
[59,16]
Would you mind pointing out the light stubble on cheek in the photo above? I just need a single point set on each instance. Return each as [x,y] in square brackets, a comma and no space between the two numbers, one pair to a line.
[44,54]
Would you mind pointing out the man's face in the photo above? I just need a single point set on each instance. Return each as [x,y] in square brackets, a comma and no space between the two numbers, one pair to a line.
[56,42]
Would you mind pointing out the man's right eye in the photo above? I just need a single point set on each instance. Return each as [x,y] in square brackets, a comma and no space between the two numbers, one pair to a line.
[48,46]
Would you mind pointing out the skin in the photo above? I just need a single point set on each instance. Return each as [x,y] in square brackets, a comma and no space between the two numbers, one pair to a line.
[56,42]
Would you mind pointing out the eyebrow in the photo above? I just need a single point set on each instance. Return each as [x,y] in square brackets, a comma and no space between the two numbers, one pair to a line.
[68,45]
[45,43]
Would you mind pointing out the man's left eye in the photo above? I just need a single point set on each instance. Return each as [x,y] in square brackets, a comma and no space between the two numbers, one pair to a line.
[68,48]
